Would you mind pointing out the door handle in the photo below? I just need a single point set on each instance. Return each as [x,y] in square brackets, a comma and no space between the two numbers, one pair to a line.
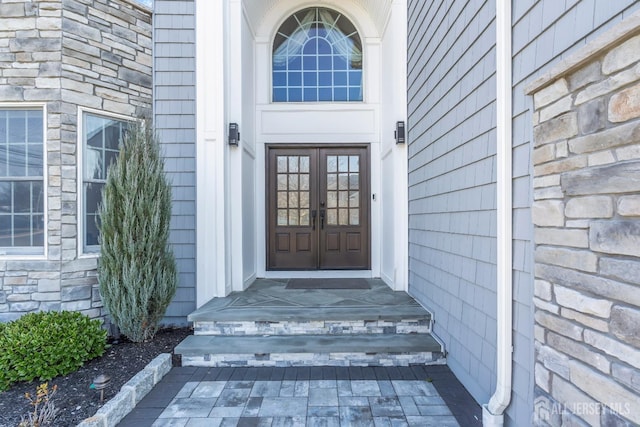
[313,219]
[322,212]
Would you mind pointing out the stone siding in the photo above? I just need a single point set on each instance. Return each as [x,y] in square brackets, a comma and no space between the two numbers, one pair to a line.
[67,54]
[586,211]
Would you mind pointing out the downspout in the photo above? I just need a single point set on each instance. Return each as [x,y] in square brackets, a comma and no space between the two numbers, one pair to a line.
[493,412]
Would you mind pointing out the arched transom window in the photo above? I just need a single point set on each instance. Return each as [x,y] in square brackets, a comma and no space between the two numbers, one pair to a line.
[317,56]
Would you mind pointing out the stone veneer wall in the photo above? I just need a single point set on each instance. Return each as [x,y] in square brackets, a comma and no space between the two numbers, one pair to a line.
[586,213]
[68,53]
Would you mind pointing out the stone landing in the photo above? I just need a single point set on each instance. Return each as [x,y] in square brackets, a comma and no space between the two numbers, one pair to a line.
[268,325]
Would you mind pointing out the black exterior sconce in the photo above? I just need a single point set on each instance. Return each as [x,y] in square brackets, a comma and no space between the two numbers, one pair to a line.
[234,134]
[400,133]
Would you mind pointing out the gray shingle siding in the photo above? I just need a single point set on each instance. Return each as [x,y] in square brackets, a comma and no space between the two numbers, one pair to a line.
[174,112]
[452,171]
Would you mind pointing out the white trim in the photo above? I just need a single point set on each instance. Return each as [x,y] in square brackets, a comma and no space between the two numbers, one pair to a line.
[493,412]
[211,152]
[80,249]
[45,183]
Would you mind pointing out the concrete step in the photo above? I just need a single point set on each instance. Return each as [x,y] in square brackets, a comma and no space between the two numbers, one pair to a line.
[311,350]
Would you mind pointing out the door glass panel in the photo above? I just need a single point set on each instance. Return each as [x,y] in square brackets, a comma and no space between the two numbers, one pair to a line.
[343,163]
[293,199]
[332,199]
[343,199]
[332,164]
[343,181]
[354,163]
[293,164]
[332,181]
[343,216]
[282,217]
[304,199]
[282,164]
[293,216]
[354,181]
[354,199]
[282,199]
[293,190]
[332,217]
[304,164]
[304,182]
[282,182]
[354,216]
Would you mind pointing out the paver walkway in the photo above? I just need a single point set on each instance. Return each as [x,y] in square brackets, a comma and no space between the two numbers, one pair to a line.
[308,396]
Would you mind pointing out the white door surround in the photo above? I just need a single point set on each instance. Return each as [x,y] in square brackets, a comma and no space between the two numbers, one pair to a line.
[231,180]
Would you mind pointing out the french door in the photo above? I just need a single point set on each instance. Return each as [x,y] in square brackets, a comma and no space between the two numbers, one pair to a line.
[318,208]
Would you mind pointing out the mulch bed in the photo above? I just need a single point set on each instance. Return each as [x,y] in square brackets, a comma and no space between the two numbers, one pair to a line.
[75,400]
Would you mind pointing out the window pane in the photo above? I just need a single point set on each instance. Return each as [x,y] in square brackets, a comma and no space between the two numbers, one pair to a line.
[295,95]
[3,127]
[37,197]
[4,170]
[22,230]
[93,197]
[17,126]
[293,182]
[22,197]
[5,231]
[279,95]
[93,164]
[113,133]
[332,163]
[91,230]
[34,159]
[340,94]
[5,197]
[310,95]
[325,94]
[37,227]
[279,78]
[295,79]
[293,200]
[17,160]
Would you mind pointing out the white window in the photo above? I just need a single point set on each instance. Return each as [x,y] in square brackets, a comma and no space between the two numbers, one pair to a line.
[317,57]
[101,137]
[22,204]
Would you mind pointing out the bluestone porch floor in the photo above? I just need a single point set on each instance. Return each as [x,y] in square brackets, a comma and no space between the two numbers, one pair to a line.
[268,300]
[307,396]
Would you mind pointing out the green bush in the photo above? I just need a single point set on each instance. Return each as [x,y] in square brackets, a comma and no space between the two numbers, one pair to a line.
[44,345]
[137,269]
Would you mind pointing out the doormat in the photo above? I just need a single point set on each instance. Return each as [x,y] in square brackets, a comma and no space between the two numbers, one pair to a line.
[327,284]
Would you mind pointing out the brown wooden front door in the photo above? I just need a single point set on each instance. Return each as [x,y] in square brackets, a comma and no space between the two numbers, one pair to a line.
[318,208]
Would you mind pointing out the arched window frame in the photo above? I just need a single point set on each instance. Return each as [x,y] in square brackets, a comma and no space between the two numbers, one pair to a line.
[330,71]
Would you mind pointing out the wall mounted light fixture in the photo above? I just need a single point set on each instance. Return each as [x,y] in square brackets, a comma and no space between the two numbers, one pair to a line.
[400,133]
[234,134]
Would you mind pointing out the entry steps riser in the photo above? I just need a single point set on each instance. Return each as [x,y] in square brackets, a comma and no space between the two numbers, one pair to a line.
[311,350]
[313,359]
[314,327]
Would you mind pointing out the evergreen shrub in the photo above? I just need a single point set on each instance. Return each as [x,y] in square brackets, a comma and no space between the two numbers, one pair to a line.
[44,345]
[136,271]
